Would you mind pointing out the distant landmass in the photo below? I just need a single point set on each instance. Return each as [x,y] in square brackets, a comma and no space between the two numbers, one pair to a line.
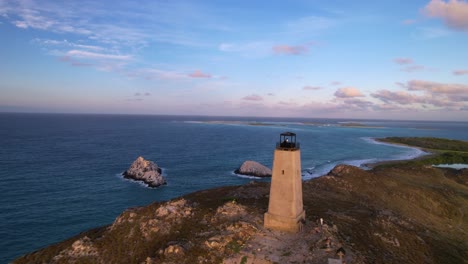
[398,212]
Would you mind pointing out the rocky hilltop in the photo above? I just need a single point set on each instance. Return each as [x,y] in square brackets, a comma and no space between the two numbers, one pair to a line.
[408,212]
[253,168]
[145,171]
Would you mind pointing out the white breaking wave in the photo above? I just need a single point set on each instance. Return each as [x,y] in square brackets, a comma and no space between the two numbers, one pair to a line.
[413,152]
[457,166]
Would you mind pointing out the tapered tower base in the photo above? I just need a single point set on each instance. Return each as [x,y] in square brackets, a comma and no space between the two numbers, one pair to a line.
[283,223]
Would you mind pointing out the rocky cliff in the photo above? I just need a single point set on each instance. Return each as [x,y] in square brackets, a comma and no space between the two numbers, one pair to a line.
[253,168]
[145,171]
[408,212]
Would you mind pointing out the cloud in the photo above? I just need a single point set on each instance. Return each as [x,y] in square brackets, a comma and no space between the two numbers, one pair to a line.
[452,97]
[309,25]
[413,68]
[403,61]
[95,55]
[348,92]
[460,72]
[399,97]
[453,13]
[248,49]
[334,83]
[356,104]
[253,97]
[199,74]
[408,21]
[75,63]
[289,50]
[307,87]
[66,44]
[434,87]
[157,74]
[409,63]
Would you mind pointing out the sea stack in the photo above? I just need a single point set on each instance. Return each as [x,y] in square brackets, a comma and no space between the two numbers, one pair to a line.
[253,168]
[285,208]
[145,171]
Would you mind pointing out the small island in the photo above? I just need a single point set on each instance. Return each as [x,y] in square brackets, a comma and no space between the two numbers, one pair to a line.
[253,168]
[145,171]
[403,212]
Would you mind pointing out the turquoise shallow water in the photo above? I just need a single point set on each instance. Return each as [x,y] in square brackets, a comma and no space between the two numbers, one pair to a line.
[60,174]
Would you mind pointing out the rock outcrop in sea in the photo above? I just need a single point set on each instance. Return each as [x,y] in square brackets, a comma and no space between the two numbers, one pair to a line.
[253,168]
[145,171]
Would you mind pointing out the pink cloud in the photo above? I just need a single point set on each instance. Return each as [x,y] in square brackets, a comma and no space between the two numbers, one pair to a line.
[348,92]
[357,104]
[253,97]
[434,87]
[460,72]
[414,68]
[399,97]
[75,63]
[408,21]
[453,13]
[311,88]
[290,50]
[199,74]
[403,61]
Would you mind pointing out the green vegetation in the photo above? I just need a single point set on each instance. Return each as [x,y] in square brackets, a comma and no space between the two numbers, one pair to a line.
[243,260]
[438,144]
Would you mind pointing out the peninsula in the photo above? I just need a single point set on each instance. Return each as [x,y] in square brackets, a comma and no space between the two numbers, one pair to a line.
[404,212]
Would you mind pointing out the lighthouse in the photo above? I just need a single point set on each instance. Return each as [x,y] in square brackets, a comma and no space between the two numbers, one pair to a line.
[285,207]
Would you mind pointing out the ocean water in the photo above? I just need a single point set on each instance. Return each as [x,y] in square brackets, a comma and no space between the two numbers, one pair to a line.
[60,174]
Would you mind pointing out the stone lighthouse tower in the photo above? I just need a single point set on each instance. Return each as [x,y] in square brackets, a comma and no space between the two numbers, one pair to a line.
[285,208]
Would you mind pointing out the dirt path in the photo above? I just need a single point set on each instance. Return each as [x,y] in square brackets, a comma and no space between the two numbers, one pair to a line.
[308,246]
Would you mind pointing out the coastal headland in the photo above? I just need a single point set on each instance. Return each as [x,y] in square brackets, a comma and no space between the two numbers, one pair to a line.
[399,212]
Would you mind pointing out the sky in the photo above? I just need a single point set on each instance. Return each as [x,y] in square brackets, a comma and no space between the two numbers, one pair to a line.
[358,59]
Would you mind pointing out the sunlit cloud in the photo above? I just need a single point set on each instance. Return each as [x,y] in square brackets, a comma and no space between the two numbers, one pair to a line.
[253,97]
[95,55]
[310,25]
[453,13]
[290,50]
[75,63]
[409,65]
[66,44]
[399,97]
[311,88]
[434,87]
[348,92]
[248,49]
[403,61]
[409,21]
[199,74]
[434,95]
[413,68]
[460,72]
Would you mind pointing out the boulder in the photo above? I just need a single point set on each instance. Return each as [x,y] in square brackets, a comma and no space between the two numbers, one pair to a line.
[253,168]
[145,171]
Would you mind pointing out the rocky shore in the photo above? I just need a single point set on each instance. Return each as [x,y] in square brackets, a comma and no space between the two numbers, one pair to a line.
[145,171]
[253,168]
[409,212]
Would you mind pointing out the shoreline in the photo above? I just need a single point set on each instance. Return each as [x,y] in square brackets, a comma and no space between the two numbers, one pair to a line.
[224,224]
[422,154]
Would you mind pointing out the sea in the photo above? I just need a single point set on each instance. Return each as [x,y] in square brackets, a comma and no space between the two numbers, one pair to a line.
[61,174]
